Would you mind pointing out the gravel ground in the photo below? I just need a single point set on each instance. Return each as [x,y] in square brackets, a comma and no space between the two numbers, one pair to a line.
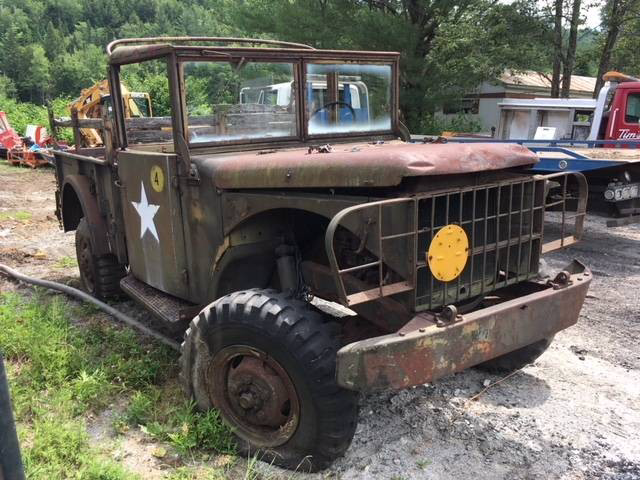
[574,414]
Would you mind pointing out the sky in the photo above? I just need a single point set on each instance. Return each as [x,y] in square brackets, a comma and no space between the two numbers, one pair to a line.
[591,13]
[593,16]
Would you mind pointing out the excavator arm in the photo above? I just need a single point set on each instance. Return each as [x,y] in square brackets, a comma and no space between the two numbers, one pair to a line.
[90,101]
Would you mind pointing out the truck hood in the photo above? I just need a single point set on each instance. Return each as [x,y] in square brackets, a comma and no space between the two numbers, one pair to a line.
[359,165]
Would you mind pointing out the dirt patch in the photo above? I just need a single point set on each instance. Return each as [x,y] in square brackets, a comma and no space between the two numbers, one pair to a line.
[30,235]
[574,414]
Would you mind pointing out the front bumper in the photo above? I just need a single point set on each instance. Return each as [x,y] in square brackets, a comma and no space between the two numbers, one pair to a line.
[424,350]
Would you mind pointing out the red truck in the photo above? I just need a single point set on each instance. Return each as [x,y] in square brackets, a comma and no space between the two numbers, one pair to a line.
[618,109]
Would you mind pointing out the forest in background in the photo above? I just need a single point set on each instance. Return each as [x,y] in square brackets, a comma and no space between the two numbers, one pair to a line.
[51,49]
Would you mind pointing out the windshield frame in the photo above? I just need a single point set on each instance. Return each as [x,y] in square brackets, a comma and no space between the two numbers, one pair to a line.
[299,61]
[177,55]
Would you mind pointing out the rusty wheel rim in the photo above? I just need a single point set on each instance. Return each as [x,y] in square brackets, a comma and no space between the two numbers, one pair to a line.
[254,394]
[85,265]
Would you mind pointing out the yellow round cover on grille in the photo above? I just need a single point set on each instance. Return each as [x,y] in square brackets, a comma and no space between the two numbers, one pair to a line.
[448,253]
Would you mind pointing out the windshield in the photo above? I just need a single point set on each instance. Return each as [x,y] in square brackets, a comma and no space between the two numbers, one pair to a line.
[238,100]
[632,114]
[232,101]
[344,98]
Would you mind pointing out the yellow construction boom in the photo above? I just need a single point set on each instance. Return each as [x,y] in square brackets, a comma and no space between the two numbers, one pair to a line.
[90,101]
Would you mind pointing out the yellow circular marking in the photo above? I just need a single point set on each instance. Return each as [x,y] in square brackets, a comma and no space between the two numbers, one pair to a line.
[448,253]
[157,178]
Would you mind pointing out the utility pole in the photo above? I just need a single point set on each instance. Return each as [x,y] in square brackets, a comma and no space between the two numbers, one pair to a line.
[11,467]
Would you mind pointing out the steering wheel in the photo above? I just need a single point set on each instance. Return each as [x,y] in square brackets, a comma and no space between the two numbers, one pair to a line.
[324,107]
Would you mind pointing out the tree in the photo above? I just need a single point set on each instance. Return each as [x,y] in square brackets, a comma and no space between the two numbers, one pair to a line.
[448,46]
[570,54]
[564,53]
[587,53]
[36,78]
[626,55]
[557,49]
[74,71]
[54,42]
[7,87]
[615,13]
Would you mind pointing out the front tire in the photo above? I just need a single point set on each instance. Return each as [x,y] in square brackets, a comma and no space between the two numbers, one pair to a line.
[267,362]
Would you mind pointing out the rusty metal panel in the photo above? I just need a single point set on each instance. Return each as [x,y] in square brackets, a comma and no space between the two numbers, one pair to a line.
[429,351]
[153,220]
[362,164]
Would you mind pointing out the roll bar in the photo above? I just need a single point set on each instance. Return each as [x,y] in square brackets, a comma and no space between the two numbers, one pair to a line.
[254,41]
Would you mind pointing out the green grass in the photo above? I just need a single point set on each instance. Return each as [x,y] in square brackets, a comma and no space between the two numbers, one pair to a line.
[18,216]
[5,169]
[62,370]
[66,262]
[164,414]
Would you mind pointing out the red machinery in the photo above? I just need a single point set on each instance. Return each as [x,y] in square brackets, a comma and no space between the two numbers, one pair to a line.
[8,137]
[23,152]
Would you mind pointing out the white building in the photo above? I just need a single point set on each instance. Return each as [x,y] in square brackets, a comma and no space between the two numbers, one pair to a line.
[483,104]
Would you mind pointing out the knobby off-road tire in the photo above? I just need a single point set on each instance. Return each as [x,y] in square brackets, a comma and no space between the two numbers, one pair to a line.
[267,362]
[517,359]
[100,275]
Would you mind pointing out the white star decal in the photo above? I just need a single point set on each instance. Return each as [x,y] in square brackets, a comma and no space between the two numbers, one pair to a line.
[147,212]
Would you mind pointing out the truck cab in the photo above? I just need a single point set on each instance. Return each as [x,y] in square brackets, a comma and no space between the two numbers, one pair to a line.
[301,248]
[617,116]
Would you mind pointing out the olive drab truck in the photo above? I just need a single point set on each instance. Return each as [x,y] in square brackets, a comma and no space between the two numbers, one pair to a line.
[301,248]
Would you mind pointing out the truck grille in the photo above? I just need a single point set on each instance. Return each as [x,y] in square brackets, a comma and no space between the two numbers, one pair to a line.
[504,224]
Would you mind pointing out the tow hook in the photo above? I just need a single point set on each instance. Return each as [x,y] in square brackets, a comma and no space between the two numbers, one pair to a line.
[447,316]
[563,279]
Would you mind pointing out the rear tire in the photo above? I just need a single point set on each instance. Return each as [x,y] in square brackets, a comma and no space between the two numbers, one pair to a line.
[267,362]
[100,275]
[517,359]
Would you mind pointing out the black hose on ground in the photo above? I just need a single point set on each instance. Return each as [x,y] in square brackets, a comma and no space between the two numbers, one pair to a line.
[85,297]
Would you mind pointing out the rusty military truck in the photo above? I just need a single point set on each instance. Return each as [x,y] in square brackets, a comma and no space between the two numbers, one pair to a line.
[274,217]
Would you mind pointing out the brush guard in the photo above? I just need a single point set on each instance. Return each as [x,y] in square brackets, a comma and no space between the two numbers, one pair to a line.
[504,222]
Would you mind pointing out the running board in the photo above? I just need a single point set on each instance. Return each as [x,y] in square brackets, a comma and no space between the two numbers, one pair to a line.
[173,312]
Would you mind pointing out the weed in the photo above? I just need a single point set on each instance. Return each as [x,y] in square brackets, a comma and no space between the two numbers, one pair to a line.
[18,216]
[204,430]
[422,464]
[185,473]
[141,407]
[60,449]
[66,262]
[7,169]
[176,421]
